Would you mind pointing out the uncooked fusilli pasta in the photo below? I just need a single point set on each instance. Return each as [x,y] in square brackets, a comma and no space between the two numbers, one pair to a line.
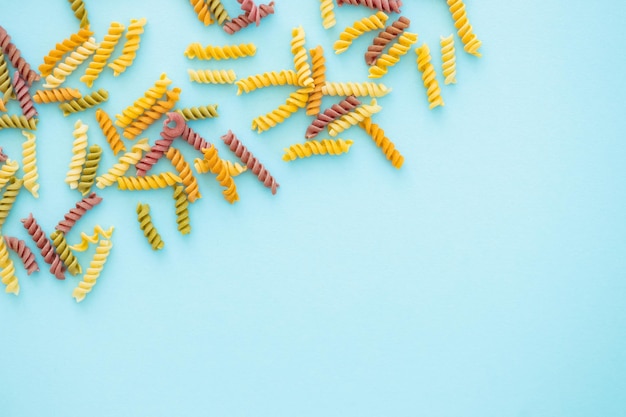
[355,89]
[90,169]
[126,161]
[23,251]
[182,210]
[17,122]
[23,97]
[8,198]
[44,245]
[196,50]
[143,103]
[13,54]
[198,112]
[154,113]
[71,63]
[110,132]
[78,7]
[316,147]
[429,77]
[103,53]
[29,164]
[216,166]
[337,110]
[7,270]
[218,11]
[300,57]
[208,76]
[448,59]
[328,13]
[296,100]
[202,11]
[67,45]
[397,50]
[318,63]
[146,225]
[84,103]
[6,88]
[148,182]
[56,95]
[77,212]
[244,20]
[65,253]
[358,28]
[384,38]
[7,171]
[463,27]
[383,142]
[266,79]
[79,153]
[353,118]
[93,272]
[130,48]
[184,172]
[384,5]
[86,239]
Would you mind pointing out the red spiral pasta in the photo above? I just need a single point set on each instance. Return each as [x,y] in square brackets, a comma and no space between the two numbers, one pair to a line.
[28,257]
[387,6]
[23,96]
[182,130]
[246,18]
[14,55]
[250,160]
[3,156]
[330,114]
[76,213]
[384,38]
[44,245]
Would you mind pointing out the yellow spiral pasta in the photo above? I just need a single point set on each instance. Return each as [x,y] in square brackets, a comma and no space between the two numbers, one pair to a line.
[110,132]
[266,79]
[327,9]
[202,10]
[130,48]
[318,63]
[429,77]
[56,95]
[8,198]
[65,253]
[78,7]
[154,113]
[355,89]
[216,166]
[196,50]
[296,100]
[79,154]
[93,272]
[6,88]
[383,142]
[103,53]
[448,58]
[219,12]
[17,122]
[207,76]
[317,147]
[150,96]
[234,168]
[86,239]
[29,163]
[148,182]
[198,112]
[463,27]
[7,171]
[88,174]
[184,172]
[86,102]
[146,225]
[71,63]
[125,162]
[353,118]
[358,28]
[392,57]
[300,57]
[67,45]
[7,270]
[182,210]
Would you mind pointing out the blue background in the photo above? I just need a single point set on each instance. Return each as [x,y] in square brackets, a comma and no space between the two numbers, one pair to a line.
[485,278]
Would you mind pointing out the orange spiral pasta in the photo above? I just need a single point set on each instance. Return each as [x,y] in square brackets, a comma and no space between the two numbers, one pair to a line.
[184,172]
[110,132]
[153,114]
[316,147]
[148,182]
[71,63]
[216,166]
[202,10]
[318,63]
[67,45]
[383,142]
[463,27]
[56,95]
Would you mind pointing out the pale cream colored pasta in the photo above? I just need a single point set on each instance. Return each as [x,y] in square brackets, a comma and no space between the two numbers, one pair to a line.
[79,154]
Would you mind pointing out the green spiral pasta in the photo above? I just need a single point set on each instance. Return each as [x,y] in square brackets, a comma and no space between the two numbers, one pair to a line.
[198,112]
[78,7]
[65,253]
[8,198]
[219,12]
[18,122]
[88,174]
[146,225]
[85,102]
[182,210]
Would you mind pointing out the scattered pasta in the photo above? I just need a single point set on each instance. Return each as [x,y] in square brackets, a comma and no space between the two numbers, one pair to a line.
[208,76]
[182,210]
[358,28]
[266,79]
[23,251]
[79,154]
[448,59]
[198,112]
[383,142]
[29,164]
[103,53]
[429,77]
[110,132]
[355,89]
[463,27]
[316,147]
[88,174]
[149,182]
[184,172]
[196,50]
[93,272]
[8,198]
[84,103]
[56,95]
[353,118]
[17,122]
[147,227]
[7,270]
[318,63]
[123,165]
[86,239]
[397,50]
[71,63]
[328,13]
[143,103]
[65,253]
[130,48]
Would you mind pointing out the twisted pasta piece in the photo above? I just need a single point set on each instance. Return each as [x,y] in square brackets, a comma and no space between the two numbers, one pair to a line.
[8,198]
[153,114]
[316,147]
[14,55]
[199,112]
[397,50]
[251,10]
[110,132]
[71,63]
[6,89]
[143,103]
[93,272]
[3,156]
[7,271]
[79,154]
[103,53]
[208,76]
[184,172]
[428,76]
[160,148]
[328,13]
[300,57]
[182,210]
[318,63]
[358,28]
[146,225]
[196,50]
[243,20]
[353,118]
[17,122]
[383,142]
[463,27]
[124,164]
[250,160]
[130,48]
[23,97]
[8,171]
[193,138]
[234,168]
[216,166]
[355,89]
[26,255]
[67,45]
[86,239]
[56,95]
[65,253]
[266,79]
[78,7]
[43,243]
[149,182]
[384,5]
[90,169]
[384,38]
[219,12]
[448,59]
[84,103]
[29,163]
[330,114]
[202,10]
[296,100]
[77,212]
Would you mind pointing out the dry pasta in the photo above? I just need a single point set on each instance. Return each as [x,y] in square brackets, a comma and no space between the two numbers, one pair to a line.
[397,50]
[208,76]
[110,132]
[7,171]
[86,239]
[296,100]
[358,28]
[147,227]
[153,114]
[448,59]
[78,7]
[216,166]
[318,63]
[79,154]
[71,63]
[88,174]
[218,11]
[44,245]
[103,53]
[6,88]
[316,147]
[126,161]
[67,45]
[234,168]
[130,48]
[8,198]
[300,57]
[17,122]
[196,50]
[429,78]
[23,97]
[7,270]
[56,95]
[383,142]
[266,79]
[93,272]
[23,251]
[184,172]
[385,37]
[328,13]
[353,118]
[245,19]
[29,164]
[384,5]
[77,212]
[198,112]
[13,54]
[148,182]
[355,89]
[182,210]
[463,27]
[143,103]
[84,103]
[65,253]
[332,113]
